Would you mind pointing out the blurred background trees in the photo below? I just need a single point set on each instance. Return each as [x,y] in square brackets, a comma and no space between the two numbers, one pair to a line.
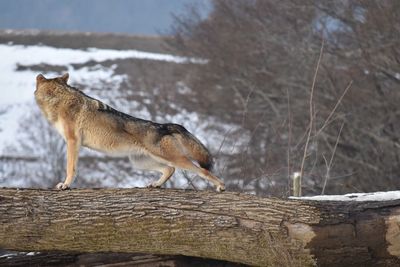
[262,56]
[250,99]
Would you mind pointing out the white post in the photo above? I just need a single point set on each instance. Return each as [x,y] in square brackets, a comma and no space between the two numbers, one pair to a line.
[296,184]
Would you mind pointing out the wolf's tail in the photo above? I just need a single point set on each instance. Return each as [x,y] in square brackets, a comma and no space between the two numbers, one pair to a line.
[192,146]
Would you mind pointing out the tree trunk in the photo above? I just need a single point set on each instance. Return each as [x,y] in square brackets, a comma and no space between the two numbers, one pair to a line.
[229,226]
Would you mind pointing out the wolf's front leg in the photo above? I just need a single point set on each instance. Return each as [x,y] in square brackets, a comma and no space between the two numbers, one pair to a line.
[72,159]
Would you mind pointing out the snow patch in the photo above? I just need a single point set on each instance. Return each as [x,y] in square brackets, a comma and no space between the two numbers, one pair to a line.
[18,86]
[376,196]
[17,102]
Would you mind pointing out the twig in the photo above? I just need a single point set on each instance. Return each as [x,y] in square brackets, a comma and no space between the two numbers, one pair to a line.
[289,152]
[245,106]
[348,158]
[311,115]
[329,166]
[334,109]
[189,180]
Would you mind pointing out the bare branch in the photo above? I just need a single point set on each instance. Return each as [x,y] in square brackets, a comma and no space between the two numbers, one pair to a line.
[329,166]
[311,114]
[334,109]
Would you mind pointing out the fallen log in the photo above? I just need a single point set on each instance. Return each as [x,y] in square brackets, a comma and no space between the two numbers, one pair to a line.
[12,259]
[229,226]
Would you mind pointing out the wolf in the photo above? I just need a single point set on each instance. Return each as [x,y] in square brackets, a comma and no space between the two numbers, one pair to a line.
[85,121]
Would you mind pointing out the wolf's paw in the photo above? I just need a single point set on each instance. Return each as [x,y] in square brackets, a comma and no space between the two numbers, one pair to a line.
[154,185]
[220,188]
[62,186]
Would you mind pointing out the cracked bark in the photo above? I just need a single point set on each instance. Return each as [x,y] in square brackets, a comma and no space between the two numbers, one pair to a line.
[229,226]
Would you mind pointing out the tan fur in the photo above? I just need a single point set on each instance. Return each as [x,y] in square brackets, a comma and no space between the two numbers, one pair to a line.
[85,121]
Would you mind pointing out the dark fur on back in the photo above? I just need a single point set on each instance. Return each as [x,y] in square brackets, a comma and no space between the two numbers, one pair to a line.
[176,128]
[162,129]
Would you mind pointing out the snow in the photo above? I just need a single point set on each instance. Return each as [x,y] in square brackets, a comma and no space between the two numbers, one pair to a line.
[10,255]
[375,196]
[24,81]
[10,122]
[32,253]
[17,86]
[35,54]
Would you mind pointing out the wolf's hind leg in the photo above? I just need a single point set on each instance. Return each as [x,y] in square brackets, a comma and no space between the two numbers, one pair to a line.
[166,174]
[146,162]
[186,164]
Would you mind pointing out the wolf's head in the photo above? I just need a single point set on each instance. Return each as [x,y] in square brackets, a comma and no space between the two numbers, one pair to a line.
[50,89]
[41,81]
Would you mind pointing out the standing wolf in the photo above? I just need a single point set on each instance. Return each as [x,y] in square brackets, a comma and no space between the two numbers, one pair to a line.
[85,121]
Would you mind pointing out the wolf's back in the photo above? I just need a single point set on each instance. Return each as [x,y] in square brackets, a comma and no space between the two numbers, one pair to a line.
[193,147]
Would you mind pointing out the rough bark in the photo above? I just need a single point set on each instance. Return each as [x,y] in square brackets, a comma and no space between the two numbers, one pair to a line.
[229,226]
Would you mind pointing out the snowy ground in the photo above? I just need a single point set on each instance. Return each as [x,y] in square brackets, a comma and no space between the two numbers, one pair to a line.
[17,87]
[17,84]
[375,196]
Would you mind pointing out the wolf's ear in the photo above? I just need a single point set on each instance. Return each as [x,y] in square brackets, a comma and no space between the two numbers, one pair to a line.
[65,77]
[40,78]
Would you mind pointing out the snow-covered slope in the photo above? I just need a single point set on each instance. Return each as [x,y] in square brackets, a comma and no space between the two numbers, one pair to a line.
[18,66]
[17,87]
